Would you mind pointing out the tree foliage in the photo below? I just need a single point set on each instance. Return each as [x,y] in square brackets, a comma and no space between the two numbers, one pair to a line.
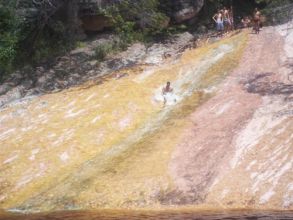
[137,19]
[10,34]
[32,31]
[35,30]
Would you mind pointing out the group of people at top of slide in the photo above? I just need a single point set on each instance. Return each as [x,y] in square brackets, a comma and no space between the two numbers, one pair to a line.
[224,19]
[254,21]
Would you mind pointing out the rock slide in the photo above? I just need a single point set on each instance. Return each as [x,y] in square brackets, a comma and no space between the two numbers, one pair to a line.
[227,142]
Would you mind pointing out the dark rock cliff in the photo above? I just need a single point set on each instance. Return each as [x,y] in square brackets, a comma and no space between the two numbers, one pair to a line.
[177,10]
[183,10]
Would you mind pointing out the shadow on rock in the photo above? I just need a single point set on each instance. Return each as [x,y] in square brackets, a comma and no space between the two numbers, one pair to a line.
[264,84]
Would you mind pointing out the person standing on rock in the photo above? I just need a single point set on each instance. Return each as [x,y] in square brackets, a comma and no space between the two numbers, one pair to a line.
[256,20]
[231,15]
[227,22]
[218,18]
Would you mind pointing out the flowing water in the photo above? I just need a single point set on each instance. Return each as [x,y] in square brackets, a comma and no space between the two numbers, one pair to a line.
[108,143]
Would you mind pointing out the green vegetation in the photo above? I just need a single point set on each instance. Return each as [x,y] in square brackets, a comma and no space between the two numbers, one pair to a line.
[139,20]
[102,50]
[34,32]
[275,2]
[273,14]
[9,37]
[30,33]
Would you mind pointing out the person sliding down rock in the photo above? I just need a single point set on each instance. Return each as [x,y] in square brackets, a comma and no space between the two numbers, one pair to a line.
[166,91]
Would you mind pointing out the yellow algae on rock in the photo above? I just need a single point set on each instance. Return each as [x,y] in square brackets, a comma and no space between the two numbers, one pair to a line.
[105,145]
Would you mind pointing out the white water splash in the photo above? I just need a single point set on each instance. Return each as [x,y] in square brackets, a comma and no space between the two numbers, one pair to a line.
[72,114]
[34,153]
[96,119]
[64,156]
[11,159]
[4,135]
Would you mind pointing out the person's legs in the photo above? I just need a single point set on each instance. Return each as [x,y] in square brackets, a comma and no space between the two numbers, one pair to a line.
[165,100]
[232,24]
[258,26]
[255,26]
[221,27]
[226,25]
[218,26]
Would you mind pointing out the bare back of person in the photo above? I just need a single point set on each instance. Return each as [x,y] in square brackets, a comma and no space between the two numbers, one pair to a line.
[256,19]
[167,89]
[231,15]
[227,21]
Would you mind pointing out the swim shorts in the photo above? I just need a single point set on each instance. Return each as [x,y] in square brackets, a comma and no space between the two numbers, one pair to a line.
[220,26]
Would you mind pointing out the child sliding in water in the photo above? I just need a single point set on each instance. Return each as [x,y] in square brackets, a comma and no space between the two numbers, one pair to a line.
[166,95]
[167,92]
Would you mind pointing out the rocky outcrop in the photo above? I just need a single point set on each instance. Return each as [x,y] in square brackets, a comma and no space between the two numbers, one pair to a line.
[225,143]
[95,23]
[179,11]
[187,10]
[81,65]
[184,10]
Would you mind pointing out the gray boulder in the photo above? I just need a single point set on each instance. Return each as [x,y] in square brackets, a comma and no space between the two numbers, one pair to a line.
[184,10]
[4,88]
